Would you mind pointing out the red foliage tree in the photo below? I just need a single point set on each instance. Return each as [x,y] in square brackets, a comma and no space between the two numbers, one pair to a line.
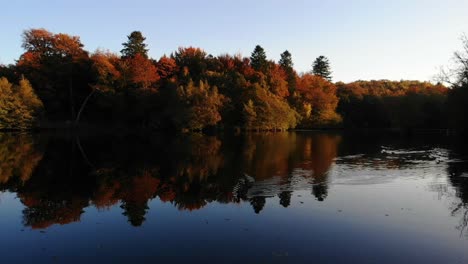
[166,67]
[319,95]
[142,71]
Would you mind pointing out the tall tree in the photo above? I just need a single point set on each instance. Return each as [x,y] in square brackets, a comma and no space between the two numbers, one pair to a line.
[287,65]
[321,67]
[58,68]
[286,60]
[258,59]
[135,45]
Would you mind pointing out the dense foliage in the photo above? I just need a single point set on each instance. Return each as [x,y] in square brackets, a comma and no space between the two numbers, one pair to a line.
[20,108]
[193,90]
[387,104]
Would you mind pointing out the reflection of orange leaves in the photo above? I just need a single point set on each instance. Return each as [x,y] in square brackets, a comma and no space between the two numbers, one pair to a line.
[42,213]
[141,189]
[268,155]
[193,206]
[167,195]
[105,196]
[71,212]
[146,185]
[18,157]
[320,153]
[272,155]
[29,200]
[206,159]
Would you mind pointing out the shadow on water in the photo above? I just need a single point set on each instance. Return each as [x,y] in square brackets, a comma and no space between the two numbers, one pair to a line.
[57,176]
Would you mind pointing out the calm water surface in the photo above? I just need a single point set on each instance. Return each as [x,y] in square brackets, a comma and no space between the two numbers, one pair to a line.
[284,197]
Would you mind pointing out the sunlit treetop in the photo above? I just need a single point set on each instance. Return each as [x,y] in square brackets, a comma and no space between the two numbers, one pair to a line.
[321,67]
[286,60]
[135,45]
[258,59]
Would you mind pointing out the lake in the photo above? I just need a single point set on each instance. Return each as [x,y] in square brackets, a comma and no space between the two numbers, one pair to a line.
[271,197]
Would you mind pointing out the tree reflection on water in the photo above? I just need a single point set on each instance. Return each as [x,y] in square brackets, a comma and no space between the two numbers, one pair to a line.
[57,176]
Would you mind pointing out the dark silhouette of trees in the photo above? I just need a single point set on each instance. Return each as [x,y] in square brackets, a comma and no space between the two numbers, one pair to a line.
[58,69]
[389,104]
[193,90]
[287,65]
[56,180]
[285,198]
[258,202]
[258,59]
[321,67]
[286,61]
[135,45]
[192,63]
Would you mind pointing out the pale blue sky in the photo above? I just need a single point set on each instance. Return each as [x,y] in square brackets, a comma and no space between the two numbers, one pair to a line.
[379,39]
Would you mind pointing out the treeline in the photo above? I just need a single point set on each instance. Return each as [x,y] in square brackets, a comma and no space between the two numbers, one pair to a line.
[193,90]
[386,104]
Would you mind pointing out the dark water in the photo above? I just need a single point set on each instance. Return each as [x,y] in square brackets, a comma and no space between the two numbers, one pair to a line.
[284,197]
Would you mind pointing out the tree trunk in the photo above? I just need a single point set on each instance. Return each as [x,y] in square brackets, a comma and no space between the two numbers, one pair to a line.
[83,106]
[70,92]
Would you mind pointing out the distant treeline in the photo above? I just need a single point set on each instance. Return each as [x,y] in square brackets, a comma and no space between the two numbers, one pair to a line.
[61,83]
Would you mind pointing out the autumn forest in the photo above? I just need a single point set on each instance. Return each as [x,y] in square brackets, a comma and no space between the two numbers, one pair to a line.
[57,83]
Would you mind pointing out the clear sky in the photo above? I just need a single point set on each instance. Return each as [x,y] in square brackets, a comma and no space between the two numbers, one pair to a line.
[364,39]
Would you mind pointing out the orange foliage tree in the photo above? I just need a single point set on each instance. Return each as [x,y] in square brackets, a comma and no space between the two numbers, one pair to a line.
[142,72]
[319,101]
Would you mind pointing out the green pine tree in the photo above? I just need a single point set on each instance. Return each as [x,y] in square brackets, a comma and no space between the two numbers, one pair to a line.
[258,59]
[135,45]
[321,67]
[287,65]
